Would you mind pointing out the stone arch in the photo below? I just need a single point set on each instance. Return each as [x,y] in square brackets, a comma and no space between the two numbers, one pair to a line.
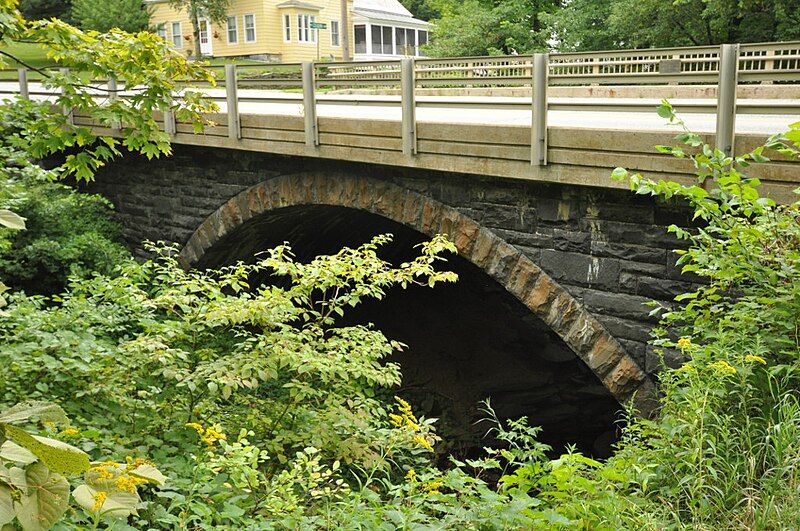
[520,276]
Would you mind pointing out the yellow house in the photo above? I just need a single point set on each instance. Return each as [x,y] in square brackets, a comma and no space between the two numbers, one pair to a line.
[285,30]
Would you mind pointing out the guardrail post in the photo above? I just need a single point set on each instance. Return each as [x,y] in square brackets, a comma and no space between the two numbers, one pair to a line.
[231,90]
[66,110]
[408,104]
[310,105]
[170,127]
[113,94]
[726,97]
[539,116]
[24,92]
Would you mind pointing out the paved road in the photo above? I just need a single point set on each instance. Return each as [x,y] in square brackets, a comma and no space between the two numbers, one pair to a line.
[756,116]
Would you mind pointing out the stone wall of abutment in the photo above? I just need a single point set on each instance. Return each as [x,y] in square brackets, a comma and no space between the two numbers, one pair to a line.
[609,248]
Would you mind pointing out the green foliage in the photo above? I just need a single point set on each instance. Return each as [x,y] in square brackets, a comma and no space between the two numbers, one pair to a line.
[44,9]
[33,489]
[105,15]
[724,451]
[142,61]
[422,9]
[67,233]
[483,27]
[480,27]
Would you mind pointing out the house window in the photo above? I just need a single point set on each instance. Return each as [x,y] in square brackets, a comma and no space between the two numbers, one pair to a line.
[382,40]
[233,30]
[161,31]
[423,38]
[287,28]
[405,41]
[250,28]
[304,31]
[177,35]
[360,32]
[334,33]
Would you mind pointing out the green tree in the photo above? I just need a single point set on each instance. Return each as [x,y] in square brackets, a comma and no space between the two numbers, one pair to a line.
[44,9]
[483,27]
[104,15]
[142,61]
[650,23]
[583,25]
[422,9]
[214,10]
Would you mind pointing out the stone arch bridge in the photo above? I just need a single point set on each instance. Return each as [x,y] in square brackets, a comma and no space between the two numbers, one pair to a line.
[550,317]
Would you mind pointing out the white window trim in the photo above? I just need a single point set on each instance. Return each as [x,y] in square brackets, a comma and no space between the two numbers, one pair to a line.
[338,34]
[287,27]
[244,24]
[172,33]
[304,21]
[161,28]
[235,29]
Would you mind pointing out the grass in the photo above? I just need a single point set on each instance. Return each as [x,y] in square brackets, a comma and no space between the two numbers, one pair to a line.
[30,54]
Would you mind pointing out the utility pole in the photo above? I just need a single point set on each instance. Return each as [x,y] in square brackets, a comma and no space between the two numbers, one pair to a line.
[344,31]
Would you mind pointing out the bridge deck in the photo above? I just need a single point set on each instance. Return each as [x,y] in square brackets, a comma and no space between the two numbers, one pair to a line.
[586,136]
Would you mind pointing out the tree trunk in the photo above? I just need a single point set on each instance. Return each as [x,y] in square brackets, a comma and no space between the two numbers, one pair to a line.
[196,35]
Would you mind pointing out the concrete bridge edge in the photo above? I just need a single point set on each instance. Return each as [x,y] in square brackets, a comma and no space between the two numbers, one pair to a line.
[520,276]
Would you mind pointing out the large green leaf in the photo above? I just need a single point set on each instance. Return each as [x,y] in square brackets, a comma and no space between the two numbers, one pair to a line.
[6,505]
[46,502]
[150,473]
[11,451]
[11,220]
[58,456]
[117,504]
[44,411]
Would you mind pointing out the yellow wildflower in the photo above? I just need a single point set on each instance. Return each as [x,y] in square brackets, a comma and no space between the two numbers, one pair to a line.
[432,487]
[135,463]
[212,435]
[70,432]
[406,416]
[411,476]
[99,499]
[128,483]
[684,343]
[196,427]
[104,471]
[750,358]
[423,442]
[723,367]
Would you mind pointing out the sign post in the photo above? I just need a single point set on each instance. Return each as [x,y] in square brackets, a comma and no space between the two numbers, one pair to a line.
[318,26]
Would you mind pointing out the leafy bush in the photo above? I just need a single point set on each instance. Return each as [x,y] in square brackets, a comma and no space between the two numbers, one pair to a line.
[67,234]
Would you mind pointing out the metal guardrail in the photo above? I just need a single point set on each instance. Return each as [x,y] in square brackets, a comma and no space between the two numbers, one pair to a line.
[727,66]
[758,63]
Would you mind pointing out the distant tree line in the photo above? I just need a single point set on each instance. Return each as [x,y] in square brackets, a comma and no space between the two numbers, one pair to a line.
[99,15]
[479,27]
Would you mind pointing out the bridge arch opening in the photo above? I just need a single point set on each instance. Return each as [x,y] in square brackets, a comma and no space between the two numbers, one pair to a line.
[505,331]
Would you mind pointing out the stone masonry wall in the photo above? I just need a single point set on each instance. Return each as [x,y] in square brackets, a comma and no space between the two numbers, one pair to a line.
[608,248]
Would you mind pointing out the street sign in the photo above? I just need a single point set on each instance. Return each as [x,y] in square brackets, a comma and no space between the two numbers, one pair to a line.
[318,25]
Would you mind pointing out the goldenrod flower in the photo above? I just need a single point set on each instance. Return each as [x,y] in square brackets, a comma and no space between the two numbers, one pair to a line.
[196,427]
[406,416]
[128,483]
[423,442]
[99,499]
[70,432]
[212,435]
[723,367]
[750,358]
[684,343]
[411,476]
